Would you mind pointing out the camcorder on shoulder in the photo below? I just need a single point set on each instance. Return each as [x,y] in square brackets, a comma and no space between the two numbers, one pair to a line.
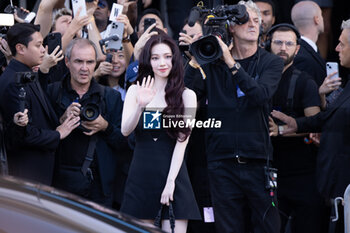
[215,22]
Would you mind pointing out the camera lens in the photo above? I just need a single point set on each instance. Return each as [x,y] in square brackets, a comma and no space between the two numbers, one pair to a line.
[206,50]
[89,112]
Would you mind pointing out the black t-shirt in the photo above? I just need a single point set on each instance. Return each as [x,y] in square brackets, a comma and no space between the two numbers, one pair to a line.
[291,154]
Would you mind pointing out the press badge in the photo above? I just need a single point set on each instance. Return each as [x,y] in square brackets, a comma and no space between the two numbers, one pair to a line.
[240,93]
[208,214]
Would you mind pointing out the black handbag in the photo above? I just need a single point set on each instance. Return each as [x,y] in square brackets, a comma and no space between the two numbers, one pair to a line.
[158,219]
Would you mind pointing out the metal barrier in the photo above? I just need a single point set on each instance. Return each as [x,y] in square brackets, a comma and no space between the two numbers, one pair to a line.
[346,203]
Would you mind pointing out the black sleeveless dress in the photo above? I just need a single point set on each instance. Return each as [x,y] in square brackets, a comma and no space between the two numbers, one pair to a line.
[148,174]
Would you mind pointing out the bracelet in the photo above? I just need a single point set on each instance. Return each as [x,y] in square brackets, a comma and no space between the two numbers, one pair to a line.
[126,39]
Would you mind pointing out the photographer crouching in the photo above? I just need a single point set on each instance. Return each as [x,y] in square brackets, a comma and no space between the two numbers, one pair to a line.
[87,157]
[238,80]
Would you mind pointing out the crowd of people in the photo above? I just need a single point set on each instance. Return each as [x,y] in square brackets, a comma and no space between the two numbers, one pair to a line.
[110,119]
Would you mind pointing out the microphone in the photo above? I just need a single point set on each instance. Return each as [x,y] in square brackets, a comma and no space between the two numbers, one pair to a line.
[194,16]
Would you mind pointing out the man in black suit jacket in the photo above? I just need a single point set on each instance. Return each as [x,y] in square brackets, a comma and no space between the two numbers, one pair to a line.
[307,18]
[333,162]
[31,156]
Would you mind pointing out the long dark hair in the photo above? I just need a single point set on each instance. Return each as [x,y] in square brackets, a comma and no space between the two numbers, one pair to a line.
[175,84]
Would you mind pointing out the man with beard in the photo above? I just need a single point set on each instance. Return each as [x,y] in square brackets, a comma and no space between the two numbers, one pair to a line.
[297,95]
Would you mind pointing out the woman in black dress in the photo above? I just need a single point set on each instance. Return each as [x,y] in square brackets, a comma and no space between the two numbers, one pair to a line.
[158,173]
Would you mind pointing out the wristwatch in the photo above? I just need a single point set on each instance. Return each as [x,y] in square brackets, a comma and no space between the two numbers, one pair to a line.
[235,67]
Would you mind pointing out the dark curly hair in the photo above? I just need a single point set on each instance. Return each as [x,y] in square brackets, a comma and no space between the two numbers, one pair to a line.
[175,84]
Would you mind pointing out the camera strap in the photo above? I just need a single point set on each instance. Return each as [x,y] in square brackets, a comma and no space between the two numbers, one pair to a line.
[89,156]
[293,80]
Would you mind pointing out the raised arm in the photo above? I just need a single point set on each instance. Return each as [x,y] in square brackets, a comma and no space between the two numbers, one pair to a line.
[137,98]
[44,15]
[93,32]
[128,30]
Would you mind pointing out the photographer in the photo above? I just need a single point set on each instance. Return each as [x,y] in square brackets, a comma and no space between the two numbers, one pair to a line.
[87,157]
[33,157]
[238,88]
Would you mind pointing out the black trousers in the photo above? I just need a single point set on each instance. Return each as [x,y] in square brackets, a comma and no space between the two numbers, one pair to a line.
[72,180]
[241,202]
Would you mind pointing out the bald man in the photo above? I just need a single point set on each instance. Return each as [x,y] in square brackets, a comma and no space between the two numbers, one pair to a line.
[307,18]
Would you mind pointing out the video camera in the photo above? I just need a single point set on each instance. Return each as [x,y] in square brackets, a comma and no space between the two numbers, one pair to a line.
[215,22]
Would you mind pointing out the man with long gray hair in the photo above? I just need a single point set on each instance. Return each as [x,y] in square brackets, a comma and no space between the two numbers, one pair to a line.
[238,89]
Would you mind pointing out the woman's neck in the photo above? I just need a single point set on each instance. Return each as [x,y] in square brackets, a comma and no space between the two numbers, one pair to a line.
[160,83]
[113,81]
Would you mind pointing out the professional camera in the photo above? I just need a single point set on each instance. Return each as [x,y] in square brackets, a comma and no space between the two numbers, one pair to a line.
[89,112]
[216,22]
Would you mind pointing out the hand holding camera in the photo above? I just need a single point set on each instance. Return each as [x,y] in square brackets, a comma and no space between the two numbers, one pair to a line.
[143,40]
[226,52]
[72,110]
[78,22]
[99,124]
[128,30]
[329,84]
[105,68]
